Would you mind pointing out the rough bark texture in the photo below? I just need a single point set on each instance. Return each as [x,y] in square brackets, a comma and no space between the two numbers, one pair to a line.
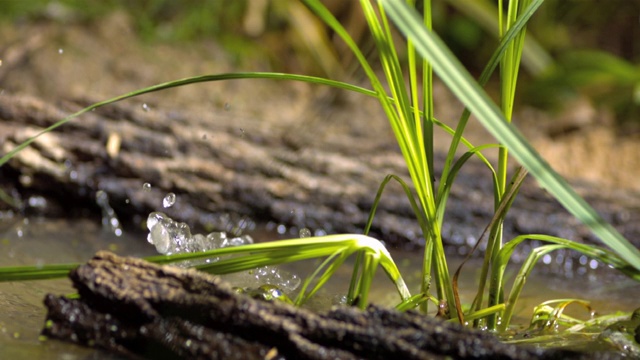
[225,168]
[143,310]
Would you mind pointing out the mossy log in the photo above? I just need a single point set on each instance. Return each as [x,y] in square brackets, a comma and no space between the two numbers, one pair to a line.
[226,168]
[143,310]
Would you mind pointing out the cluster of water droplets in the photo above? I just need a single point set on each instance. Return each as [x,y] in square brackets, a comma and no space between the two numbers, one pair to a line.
[174,237]
[272,275]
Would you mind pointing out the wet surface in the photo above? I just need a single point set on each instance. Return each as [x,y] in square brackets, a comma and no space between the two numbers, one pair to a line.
[54,241]
[46,242]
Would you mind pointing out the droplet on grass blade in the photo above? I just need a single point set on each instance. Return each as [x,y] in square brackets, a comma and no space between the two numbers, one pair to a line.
[146,187]
[160,237]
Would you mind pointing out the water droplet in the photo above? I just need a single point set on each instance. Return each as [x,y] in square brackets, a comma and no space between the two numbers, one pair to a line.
[227,106]
[109,219]
[60,51]
[25,180]
[145,107]
[199,242]
[38,202]
[320,232]
[161,238]
[146,187]
[169,200]
[304,232]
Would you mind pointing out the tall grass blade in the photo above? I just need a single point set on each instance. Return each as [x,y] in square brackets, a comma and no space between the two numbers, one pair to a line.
[484,78]
[422,221]
[534,57]
[500,213]
[471,94]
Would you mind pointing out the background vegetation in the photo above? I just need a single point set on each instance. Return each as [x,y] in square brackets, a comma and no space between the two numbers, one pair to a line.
[268,35]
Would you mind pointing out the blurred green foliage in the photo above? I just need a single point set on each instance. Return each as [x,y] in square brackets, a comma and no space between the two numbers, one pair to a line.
[606,79]
[596,46]
[154,19]
[267,29]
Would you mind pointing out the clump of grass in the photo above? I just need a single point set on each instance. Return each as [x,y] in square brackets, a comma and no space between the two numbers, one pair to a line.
[409,108]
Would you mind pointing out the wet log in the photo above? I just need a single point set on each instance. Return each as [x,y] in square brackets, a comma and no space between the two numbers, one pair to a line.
[227,168]
[143,310]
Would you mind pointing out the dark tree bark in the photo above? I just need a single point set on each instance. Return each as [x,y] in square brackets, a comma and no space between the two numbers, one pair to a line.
[143,310]
[227,168]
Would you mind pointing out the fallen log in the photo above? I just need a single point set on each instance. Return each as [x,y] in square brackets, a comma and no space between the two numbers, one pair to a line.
[226,169]
[143,310]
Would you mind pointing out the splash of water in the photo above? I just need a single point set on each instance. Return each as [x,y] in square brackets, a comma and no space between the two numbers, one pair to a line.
[110,221]
[173,237]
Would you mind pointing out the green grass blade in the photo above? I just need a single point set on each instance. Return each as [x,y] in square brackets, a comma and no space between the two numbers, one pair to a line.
[488,70]
[407,128]
[414,301]
[43,272]
[6,198]
[485,13]
[257,255]
[471,94]
[422,221]
[499,266]
[483,313]
[369,267]
[520,280]
[331,263]
[443,194]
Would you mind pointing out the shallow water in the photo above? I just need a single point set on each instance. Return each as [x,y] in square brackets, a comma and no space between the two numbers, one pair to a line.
[46,242]
[59,241]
